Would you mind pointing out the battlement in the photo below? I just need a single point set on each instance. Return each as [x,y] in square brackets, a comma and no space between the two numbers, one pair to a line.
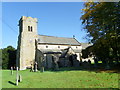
[24,18]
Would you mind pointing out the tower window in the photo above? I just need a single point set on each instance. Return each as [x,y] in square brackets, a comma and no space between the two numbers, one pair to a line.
[28,28]
[31,28]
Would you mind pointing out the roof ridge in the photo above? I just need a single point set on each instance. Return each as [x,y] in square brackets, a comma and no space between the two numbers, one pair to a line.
[55,36]
[58,40]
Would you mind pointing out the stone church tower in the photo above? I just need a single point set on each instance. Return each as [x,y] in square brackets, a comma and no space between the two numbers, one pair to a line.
[26,42]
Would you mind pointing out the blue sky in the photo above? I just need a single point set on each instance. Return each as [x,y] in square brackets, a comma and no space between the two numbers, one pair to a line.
[60,19]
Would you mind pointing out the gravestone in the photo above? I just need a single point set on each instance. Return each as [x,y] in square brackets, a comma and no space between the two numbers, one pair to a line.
[42,65]
[55,64]
[42,69]
[107,67]
[20,78]
[96,62]
[35,67]
[31,70]
[11,70]
[17,76]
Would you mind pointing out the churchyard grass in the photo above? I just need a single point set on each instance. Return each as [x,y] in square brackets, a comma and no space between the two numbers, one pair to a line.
[60,79]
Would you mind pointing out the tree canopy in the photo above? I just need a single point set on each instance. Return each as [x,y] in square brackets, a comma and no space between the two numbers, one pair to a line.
[101,20]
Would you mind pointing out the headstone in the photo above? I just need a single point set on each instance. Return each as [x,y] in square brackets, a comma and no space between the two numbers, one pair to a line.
[80,63]
[42,69]
[31,70]
[96,62]
[20,78]
[35,67]
[11,70]
[42,65]
[17,76]
[55,64]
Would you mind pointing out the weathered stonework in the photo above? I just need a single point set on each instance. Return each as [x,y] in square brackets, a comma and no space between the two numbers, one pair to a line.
[26,42]
[33,47]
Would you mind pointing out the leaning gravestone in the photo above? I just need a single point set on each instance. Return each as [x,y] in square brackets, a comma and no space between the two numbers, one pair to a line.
[96,63]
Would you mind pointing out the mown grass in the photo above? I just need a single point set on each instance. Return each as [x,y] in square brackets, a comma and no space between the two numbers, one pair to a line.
[60,79]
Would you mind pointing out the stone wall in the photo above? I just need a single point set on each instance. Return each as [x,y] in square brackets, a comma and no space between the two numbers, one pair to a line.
[26,42]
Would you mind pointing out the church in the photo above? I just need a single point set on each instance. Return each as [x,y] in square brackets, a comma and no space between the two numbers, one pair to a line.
[44,50]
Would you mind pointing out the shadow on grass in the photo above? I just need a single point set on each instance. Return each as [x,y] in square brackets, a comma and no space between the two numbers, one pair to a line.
[64,69]
[12,83]
[99,69]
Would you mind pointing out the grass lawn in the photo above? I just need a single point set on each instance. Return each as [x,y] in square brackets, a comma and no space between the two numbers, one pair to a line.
[60,79]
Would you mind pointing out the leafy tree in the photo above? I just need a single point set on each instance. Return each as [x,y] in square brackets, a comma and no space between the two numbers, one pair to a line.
[8,57]
[102,22]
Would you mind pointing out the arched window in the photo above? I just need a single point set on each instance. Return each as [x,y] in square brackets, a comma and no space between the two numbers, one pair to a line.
[31,29]
[28,28]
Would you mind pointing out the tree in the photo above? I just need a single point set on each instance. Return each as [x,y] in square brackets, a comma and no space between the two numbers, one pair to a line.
[8,57]
[87,52]
[102,22]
